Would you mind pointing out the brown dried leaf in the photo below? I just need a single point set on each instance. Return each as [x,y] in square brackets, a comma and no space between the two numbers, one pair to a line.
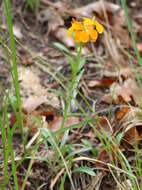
[47,113]
[132,136]
[120,19]
[55,21]
[106,82]
[122,112]
[56,123]
[33,102]
[121,94]
[125,72]
[102,126]
[125,93]
[131,123]
[28,122]
[88,10]
[105,158]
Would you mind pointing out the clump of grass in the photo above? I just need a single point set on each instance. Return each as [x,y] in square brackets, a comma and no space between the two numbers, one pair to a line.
[13,66]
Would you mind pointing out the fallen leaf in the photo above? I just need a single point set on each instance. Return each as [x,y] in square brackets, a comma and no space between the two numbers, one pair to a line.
[102,126]
[56,123]
[47,113]
[97,7]
[122,112]
[135,90]
[128,92]
[131,136]
[104,158]
[29,123]
[53,17]
[33,102]
[105,82]
[107,156]
[124,72]
[131,124]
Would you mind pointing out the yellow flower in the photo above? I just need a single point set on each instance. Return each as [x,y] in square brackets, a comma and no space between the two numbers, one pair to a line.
[85,31]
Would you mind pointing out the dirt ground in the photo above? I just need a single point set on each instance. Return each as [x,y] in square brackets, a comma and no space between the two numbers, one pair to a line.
[35,33]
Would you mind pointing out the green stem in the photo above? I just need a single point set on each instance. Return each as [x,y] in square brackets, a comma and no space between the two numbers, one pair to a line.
[74,75]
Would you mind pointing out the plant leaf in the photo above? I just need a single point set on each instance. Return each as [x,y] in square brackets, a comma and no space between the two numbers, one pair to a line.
[85,169]
[62,47]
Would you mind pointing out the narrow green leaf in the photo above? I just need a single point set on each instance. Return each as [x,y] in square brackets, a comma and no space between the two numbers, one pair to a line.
[83,61]
[59,93]
[78,79]
[85,169]
[61,47]
[86,142]
[85,149]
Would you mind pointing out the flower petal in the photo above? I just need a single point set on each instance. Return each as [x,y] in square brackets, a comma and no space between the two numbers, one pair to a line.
[70,31]
[76,36]
[99,28]
[93,34]
[77,25]
[84,36]
[88,21]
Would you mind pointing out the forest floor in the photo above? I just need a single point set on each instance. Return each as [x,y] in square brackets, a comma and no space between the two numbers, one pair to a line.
[109,84]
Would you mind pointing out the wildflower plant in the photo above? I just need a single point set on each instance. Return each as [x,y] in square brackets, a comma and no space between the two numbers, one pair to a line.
[82,32]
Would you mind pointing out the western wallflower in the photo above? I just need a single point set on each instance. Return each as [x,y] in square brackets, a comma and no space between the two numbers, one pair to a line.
[85,31]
